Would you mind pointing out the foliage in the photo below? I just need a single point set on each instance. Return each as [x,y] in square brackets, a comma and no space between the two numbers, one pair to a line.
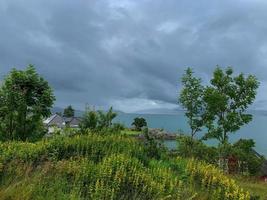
[214,183]
[153,146]
[99,121]
[118,127]
[222,108]
[191,98]
[105,119]
[68,112]
[92,146]
[227,100]
[256,188]
[25,99]
[103,167]
[130,132]
[193,148]
[89,120]
[87,167]
[139,123]
[243,150]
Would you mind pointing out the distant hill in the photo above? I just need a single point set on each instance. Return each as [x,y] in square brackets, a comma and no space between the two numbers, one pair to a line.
[166,111]
[180,111]
[161,111]
[258,112]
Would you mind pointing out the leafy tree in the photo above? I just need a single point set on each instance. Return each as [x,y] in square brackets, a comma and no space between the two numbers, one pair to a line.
[110,116]
[25,99]
[98,120]
[105,119]
[139,123]
[89,120]
[69,112]
[191,99]
[226,101]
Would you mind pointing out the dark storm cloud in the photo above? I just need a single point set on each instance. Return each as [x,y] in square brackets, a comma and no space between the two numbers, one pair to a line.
[124,52]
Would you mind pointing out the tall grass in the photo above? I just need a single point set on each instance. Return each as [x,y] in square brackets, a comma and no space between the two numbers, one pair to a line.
[98,167]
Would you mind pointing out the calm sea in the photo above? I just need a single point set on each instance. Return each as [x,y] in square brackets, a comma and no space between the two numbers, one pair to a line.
[254,130]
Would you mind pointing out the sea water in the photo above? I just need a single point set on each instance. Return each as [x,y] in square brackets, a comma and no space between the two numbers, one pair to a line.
[256,129]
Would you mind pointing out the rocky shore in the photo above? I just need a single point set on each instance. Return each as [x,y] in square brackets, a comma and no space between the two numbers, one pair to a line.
[159,134]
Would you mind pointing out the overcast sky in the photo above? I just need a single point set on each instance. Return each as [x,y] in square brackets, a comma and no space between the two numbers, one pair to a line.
[131,54]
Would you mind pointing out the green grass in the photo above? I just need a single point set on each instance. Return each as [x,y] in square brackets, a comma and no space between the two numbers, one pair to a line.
[254,186]
[131,132]
[101,167]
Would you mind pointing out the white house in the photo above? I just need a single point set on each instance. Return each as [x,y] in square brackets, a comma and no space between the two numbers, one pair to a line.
[57,121]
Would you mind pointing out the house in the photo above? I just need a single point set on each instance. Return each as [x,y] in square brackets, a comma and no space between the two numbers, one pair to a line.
[58,122]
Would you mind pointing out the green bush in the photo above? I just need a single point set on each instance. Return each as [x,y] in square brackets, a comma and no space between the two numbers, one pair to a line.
[85,167]
[243,150]
[93,166]
[189,147]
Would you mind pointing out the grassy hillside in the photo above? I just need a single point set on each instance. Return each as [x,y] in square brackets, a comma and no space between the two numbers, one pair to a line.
[105,167]
[254,186]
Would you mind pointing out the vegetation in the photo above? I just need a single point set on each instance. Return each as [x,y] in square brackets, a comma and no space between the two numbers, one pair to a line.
[227,100]
[215,184]
[221,108]
[105,119]
[191,98]
[69,112]
[130,132]
[139,123]
[153,146]
[248,162]
[189,147]
[105,167]
[243,150]
[255,187]
[99,121]
[89,120]
[101,161]
[25,99]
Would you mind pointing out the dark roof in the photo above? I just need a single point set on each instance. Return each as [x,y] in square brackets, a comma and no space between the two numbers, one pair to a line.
[67,119]
[72,121]
[62,121]
[54,120]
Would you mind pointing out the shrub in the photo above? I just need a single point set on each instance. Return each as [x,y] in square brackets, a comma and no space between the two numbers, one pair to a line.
[189,147]
[98,166]
[215,184]
[243,150]
[153,146]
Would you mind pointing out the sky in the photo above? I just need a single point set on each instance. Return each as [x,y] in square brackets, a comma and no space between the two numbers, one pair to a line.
[131,54]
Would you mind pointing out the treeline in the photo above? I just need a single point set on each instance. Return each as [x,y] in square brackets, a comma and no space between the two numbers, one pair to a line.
[218,109]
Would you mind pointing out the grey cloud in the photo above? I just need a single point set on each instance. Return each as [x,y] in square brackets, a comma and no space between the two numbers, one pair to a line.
[108,52]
